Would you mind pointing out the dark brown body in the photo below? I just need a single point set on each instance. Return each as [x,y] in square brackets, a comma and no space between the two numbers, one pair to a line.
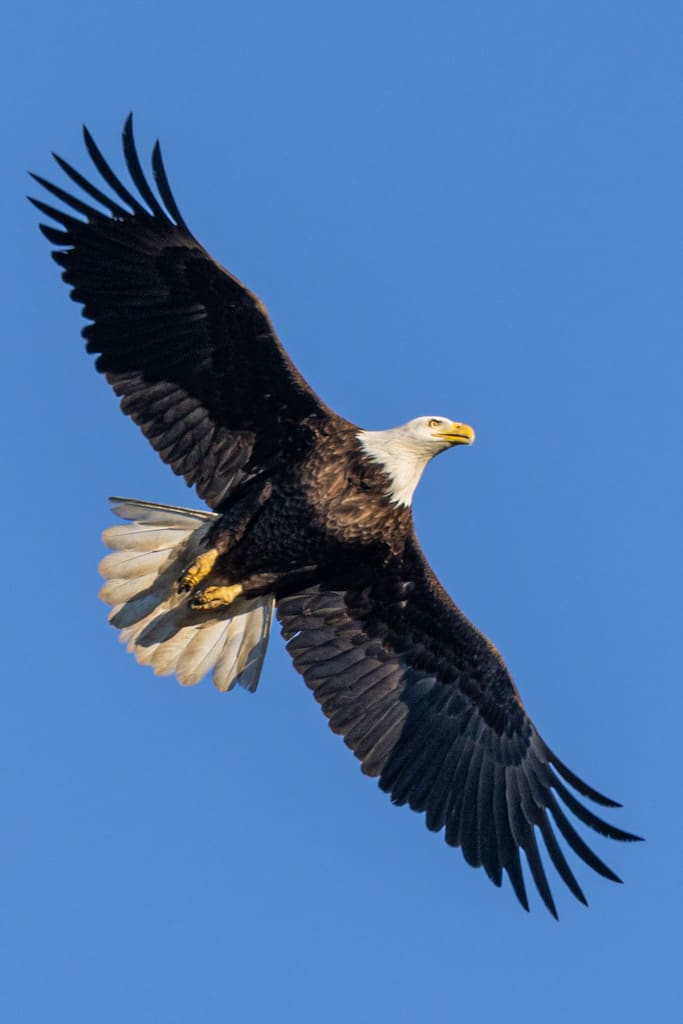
[314,518]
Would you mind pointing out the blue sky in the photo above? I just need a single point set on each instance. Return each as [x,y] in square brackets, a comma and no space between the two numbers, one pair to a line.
[462,209]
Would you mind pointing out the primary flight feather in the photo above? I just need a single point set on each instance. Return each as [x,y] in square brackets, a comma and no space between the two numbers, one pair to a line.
[311,517]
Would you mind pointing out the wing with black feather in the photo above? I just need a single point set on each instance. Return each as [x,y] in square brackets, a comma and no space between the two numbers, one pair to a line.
[426,703]
[190,351]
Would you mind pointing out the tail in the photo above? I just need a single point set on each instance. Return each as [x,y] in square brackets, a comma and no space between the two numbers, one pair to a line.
[149,552]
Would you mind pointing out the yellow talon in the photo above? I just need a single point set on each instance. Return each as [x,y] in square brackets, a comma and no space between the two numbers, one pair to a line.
[198,570]
[216,597]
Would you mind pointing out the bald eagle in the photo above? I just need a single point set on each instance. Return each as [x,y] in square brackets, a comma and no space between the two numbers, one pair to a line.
[310,517]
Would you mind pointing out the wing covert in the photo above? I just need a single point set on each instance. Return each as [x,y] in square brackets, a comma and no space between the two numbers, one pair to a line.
[189,350]
[426,703]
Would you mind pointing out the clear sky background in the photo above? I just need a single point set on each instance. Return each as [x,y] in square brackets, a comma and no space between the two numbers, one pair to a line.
[470,209]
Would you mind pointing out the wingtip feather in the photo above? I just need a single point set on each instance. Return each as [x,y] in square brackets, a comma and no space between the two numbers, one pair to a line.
[578,784]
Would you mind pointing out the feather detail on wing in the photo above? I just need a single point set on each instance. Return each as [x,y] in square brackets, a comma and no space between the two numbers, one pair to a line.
[426,703]
[190,351]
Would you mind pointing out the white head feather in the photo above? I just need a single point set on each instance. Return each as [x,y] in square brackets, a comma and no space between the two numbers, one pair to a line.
[403,452]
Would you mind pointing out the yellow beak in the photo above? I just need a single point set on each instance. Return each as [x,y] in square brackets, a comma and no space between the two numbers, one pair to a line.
[458,433]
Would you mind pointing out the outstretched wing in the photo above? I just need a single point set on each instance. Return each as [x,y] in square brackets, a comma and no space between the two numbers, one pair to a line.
[426,703]
[190,351]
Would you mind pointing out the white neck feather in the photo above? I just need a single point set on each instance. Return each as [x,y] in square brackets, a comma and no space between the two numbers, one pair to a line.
[402,457]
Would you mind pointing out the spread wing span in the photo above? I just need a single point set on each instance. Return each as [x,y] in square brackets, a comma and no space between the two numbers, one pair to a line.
[425,702]
[190,351]
[420,696]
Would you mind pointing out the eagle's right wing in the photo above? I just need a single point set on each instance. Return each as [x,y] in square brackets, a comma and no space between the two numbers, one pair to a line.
[191,352]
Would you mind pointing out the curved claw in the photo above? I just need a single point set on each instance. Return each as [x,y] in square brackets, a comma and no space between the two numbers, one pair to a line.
[197,570]
[215,597]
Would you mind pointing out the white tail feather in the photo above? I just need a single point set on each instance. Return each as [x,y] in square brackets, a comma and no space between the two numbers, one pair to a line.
[149,552]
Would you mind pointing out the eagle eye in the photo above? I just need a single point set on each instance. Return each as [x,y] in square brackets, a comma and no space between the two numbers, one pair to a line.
[434,423]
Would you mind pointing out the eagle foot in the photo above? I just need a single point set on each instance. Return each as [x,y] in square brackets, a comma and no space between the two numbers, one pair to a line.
[197,570]
[215,597]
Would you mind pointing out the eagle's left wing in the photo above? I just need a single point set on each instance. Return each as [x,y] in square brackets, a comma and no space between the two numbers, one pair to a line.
[426,703]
